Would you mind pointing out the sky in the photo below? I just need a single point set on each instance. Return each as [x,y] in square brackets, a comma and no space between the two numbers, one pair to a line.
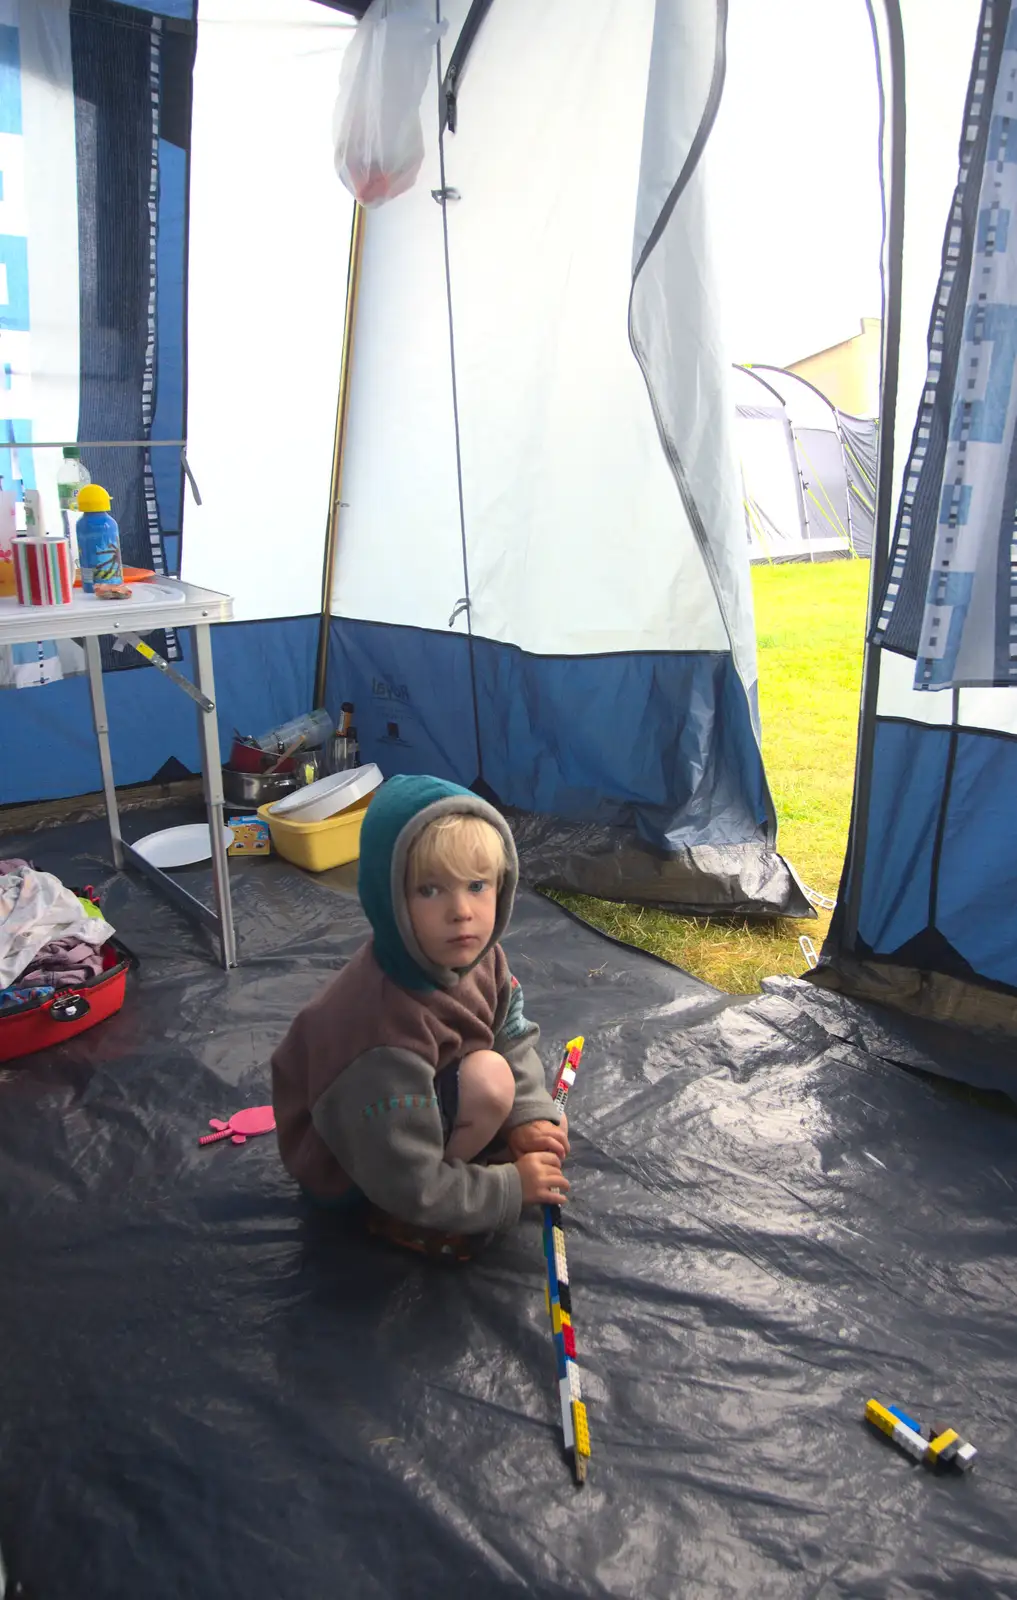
[795,147]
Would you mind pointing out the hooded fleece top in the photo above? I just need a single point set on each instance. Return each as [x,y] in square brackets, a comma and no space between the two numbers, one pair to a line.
[353,1080]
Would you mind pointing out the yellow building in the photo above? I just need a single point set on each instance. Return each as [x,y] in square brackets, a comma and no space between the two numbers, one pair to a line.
[848,373]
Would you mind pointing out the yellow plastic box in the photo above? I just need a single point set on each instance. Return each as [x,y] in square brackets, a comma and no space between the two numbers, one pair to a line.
[317,846]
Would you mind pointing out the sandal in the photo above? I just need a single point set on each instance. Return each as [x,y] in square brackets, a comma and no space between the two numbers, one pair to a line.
[428,1242]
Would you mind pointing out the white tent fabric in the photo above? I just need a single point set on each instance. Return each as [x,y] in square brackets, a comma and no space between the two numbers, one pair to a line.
[265,338]
[602,674]
[563,472]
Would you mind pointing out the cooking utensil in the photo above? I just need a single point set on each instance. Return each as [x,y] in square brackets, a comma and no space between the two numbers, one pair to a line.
[249,790]
[277,765]
[246,756]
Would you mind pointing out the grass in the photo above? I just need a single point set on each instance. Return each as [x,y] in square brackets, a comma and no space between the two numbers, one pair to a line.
[810,622]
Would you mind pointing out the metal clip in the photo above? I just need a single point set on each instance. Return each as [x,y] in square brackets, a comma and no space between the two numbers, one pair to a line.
[439,196]
[190,477]
[460,607]
[809,952]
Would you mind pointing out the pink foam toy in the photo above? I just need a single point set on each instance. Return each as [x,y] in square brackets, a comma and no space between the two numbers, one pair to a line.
[243,1125]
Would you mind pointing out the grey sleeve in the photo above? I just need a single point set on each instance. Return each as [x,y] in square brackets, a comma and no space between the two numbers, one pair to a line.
[516,1040]
[381,1121]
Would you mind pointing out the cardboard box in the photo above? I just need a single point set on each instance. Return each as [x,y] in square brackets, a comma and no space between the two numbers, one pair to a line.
[250,837]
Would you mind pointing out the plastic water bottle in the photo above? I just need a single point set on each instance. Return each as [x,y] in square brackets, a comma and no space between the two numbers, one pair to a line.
[98,539]
[314,728]
[71,476]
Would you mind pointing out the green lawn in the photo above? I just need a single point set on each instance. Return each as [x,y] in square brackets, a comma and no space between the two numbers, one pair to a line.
[810,623]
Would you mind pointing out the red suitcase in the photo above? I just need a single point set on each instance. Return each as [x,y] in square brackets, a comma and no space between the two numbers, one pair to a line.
[60,1016]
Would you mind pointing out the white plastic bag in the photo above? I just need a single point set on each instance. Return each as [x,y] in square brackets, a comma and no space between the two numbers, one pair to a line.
[35,909]
[376,129]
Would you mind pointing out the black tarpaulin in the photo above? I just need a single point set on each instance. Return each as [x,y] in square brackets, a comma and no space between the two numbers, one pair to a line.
[206,1391]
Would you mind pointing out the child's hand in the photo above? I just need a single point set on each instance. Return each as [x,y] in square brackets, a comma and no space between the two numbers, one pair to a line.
[531,1137]
[541,1177]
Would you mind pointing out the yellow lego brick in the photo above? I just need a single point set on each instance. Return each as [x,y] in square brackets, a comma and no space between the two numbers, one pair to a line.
[576,1043]
[581,1428]
[883,1419]
[556,1317]
[547,1297]
[944,1446]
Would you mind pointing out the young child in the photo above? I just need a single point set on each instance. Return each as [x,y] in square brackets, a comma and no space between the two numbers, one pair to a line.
[418,1056]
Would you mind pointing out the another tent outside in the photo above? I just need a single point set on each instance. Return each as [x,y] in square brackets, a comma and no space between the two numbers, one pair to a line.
[808,469]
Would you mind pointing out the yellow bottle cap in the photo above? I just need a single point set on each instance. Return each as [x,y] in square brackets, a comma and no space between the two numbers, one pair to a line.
[93,497]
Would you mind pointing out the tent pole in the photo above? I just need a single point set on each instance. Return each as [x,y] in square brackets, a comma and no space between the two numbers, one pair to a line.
[883,523]
[338,451]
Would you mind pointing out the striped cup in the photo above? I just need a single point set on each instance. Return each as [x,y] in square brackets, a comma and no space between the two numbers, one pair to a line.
[42,569]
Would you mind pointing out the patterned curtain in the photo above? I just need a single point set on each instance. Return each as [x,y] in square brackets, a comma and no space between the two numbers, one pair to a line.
[950,599]
[94,131]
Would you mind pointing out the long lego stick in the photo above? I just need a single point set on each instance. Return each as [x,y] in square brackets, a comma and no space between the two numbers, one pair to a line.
[575,1427]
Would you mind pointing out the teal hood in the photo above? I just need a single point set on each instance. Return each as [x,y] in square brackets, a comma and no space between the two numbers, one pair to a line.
[400,809]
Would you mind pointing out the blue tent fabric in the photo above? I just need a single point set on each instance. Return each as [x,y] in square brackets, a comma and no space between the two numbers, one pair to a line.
[263,675]
[939,889]
[658,742]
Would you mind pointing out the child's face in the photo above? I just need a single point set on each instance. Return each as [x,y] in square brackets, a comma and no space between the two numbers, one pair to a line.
[452,917]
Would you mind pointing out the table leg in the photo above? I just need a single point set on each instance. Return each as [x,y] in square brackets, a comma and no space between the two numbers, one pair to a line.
[93,662]
[211,772]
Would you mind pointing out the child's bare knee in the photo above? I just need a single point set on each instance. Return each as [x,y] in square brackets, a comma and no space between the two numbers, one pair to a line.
[491,1084]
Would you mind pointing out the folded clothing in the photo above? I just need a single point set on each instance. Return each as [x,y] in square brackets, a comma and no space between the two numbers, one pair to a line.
[37,911]
[62,964]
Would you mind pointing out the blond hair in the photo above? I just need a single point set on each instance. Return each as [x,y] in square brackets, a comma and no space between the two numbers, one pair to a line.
[462,845]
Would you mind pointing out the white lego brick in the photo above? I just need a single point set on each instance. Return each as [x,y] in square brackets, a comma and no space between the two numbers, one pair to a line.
[565,1395]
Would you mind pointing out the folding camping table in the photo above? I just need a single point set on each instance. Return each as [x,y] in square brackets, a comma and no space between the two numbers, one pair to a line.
[162,603]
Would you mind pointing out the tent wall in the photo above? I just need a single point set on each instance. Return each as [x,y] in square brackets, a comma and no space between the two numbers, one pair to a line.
[860,444]
[107,353]
[263,672]
[825,480]
[808,470]
[600,539]
[264,345]
[774,508]
[931,881]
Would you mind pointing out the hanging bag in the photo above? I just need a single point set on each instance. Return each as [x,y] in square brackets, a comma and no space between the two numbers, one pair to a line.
[376,127]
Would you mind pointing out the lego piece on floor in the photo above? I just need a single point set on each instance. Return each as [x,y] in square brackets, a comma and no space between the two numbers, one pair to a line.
[943,1447]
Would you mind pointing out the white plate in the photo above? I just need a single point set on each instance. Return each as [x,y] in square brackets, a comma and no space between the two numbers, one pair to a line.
[323,799]
[180,847]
